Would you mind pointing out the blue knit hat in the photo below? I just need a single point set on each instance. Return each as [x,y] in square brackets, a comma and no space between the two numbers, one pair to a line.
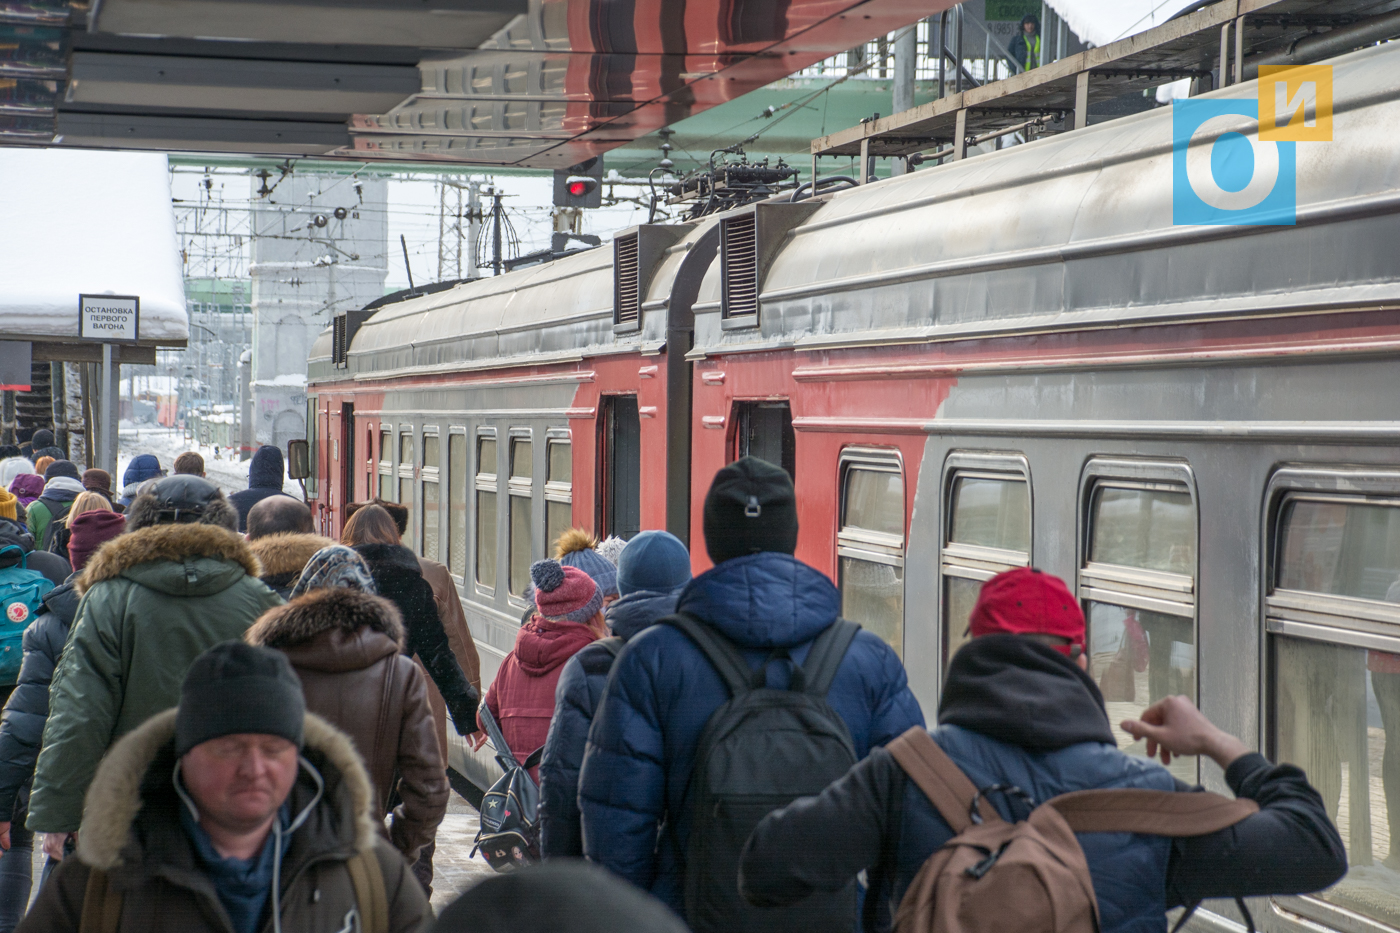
[596,566]
[653,560]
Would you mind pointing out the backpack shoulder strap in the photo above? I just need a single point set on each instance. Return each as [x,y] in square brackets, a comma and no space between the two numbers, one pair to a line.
[498,741]
[826,655]
[1158,812]
[370,896]
[720,651]
[102,906]
[23,563]
[943,782]
[612,645]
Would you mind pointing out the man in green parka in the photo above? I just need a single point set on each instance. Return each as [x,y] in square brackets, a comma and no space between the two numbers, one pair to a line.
[180,581]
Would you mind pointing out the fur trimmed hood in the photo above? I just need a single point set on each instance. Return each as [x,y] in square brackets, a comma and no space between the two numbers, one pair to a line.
[322,610]
[170,544]
[115,796]
[286,553]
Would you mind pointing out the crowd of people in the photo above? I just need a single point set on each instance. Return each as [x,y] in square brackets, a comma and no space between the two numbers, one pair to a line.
[225,721]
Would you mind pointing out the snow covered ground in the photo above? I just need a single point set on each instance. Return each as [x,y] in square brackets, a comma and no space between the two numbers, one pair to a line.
[230,475]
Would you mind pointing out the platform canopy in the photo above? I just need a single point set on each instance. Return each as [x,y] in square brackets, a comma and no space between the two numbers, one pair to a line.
[531,83]
[81,222]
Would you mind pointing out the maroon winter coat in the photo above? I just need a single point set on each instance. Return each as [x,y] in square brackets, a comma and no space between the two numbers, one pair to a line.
[522,695]
[90,530]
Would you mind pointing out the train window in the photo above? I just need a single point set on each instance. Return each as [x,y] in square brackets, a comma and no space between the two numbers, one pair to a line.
[1333,618]
[486,511]
[431,498]
[457,504]
[405,496]
[386,466]
[522,514]
[764,430]
[987,531]
[558,490]
[1138,584]
[870,543]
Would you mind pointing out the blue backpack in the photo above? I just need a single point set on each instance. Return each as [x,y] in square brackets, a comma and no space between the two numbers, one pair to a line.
[22,594]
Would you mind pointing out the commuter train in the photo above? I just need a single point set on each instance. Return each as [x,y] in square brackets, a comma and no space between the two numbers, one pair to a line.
[1017,359]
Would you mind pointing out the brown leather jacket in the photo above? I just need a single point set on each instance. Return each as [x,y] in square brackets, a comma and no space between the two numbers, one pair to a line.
[345,646]
[459,637]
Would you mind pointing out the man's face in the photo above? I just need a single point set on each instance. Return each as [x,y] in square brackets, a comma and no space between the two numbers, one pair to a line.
[1028,28]
[239,781]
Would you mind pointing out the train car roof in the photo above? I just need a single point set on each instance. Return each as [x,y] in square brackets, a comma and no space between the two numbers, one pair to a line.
[1077,230]
[555,312]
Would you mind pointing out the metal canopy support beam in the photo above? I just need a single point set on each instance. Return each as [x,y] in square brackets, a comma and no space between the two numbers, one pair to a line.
[864,161]
[960,140]
[1239,50]
[1081,100]
[111,385]
[1184,47]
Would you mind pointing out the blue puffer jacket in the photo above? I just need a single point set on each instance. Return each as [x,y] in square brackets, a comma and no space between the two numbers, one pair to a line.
[636,772]
[575,701]
[22,724]
[1128,869]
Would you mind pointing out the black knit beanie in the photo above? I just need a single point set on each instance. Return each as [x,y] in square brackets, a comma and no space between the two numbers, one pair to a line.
[236,688]
[750,508]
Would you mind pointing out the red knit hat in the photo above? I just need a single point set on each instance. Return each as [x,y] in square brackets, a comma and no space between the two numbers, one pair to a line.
[1026,601]
[564,592]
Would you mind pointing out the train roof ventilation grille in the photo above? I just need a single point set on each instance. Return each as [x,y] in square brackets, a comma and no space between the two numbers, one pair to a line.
[739,265]
[340,342]
[627,286]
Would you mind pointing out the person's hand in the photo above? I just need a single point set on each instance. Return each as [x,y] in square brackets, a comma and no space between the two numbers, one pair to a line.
[5,835]
[1174,727]
[53,844]
[476,740]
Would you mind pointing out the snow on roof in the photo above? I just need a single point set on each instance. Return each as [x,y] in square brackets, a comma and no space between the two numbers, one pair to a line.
[1103,21]
[75,221]
[283,381]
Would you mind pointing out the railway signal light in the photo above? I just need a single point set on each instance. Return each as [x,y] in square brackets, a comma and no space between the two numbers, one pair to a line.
[579,185]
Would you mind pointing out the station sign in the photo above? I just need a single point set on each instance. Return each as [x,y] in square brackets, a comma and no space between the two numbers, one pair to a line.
[109,318]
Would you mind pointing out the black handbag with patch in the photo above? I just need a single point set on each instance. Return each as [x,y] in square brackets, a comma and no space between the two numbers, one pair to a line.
[509,837]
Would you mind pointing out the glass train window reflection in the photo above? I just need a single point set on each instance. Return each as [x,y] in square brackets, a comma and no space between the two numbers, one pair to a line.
[1334,664]
[870,543]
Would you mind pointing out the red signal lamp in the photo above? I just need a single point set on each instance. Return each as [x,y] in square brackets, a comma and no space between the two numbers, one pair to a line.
[579,186]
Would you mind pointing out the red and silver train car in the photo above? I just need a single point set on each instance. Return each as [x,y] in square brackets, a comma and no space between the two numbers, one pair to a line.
[1013,360]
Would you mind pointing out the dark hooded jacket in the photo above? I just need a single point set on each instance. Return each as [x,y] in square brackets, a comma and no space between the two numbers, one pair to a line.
[22,723]
[399,578]
[636,772]
[346,648]
[1016,712]
[53,567]
[521,696]
[575,701]
[265,475]
[154,599]
[132,830]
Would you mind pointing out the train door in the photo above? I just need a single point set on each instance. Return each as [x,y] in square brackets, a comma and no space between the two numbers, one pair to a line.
[347,455]
[620,505]
[764,430]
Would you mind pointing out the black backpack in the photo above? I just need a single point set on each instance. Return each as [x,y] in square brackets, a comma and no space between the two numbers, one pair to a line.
[761,750]
[509,837]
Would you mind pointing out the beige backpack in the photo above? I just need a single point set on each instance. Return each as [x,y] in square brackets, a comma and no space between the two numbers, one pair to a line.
[1031,876]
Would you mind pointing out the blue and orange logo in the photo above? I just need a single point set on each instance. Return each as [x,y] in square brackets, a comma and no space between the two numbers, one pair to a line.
[1235,161]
